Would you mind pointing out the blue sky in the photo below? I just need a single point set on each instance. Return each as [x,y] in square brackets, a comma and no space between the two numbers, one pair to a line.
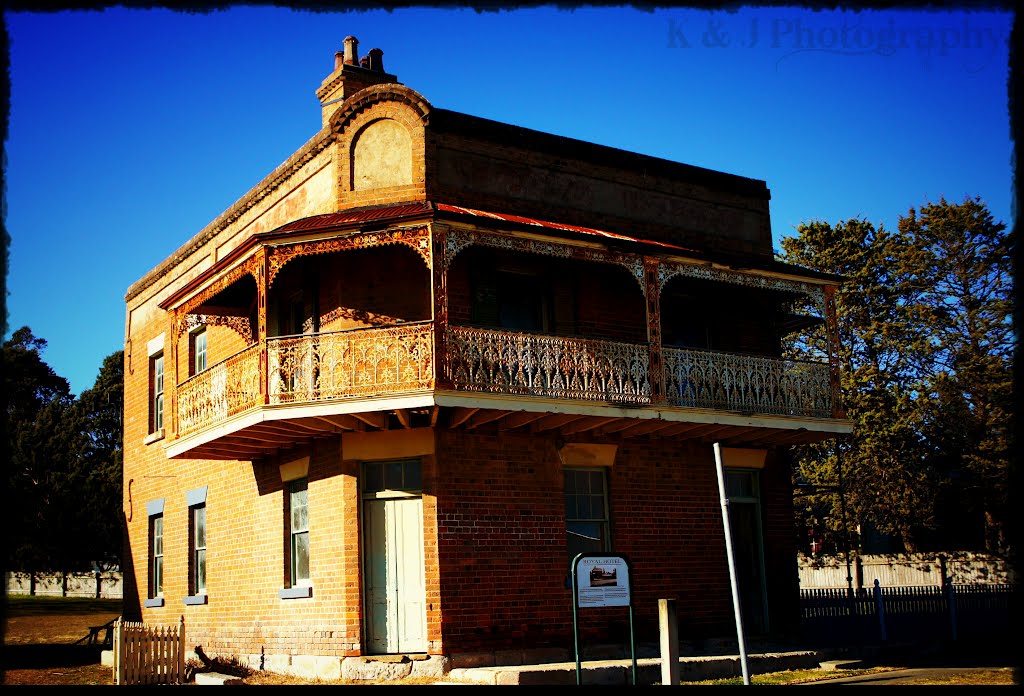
[130,130]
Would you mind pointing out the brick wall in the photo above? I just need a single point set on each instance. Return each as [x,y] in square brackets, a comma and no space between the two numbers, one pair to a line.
[501,540]
[246,557]
[367,287]
[491,166]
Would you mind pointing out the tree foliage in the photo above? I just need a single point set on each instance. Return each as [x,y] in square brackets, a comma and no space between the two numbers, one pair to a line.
[64,462]
[925,321]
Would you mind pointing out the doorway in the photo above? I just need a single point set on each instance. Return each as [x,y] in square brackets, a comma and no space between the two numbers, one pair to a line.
[394,585]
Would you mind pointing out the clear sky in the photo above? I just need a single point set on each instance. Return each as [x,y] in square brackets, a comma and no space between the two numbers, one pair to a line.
[131,130]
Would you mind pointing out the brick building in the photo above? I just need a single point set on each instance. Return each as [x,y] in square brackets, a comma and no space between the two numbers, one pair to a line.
[380,403]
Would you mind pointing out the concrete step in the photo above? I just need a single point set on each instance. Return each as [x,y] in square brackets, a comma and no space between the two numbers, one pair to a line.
[834,665]
[216,678]
[648,670]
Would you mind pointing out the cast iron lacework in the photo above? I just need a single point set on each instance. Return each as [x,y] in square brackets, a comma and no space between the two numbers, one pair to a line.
[251,266]
[668,270]
[457,240]
[240,325]
[353,363]
[507,362]
[229,387]
[416,238]
[733,382]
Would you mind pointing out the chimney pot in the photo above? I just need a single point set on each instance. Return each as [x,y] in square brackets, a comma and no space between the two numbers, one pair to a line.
[339,59]
[351,50]
[365,62]
[376,59]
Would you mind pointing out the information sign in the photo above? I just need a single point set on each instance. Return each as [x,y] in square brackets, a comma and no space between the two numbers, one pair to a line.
[602,581]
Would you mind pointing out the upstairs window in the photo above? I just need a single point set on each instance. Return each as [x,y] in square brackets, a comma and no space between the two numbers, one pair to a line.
[513,299]
[156,390]
[197,349]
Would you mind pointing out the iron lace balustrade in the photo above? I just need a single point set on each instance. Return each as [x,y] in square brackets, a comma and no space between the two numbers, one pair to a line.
[748,383]
[352,363]
[507,362]
[229,387]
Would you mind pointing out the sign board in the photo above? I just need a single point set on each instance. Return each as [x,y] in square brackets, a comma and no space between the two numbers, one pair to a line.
[602,581]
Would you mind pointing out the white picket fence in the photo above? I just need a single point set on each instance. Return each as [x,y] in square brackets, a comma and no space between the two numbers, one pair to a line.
[149,654]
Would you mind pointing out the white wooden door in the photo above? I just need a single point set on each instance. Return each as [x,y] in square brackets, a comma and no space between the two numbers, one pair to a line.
[395,596]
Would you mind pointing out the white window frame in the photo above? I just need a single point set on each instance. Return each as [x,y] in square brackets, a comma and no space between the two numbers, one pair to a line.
[157,372]
[298,529]
[198,350]
[197,513]
[604,521]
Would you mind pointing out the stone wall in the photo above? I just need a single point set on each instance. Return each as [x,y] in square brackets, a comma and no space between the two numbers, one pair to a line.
[105,585]
[905,570]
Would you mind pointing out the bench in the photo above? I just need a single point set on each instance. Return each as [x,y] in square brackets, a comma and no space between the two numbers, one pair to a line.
[93,637]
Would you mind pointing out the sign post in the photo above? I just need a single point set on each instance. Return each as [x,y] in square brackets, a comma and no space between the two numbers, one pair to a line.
[601,580]
[737,609]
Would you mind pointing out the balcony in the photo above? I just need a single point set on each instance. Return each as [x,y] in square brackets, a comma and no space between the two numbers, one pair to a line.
[344,371]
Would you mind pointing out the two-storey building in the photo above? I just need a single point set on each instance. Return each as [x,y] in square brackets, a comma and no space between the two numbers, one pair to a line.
[379,404]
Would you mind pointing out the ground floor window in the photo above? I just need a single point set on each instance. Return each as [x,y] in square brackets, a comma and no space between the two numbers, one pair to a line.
[586,511]
[198,555]
[156,556]
[298,530]
[743,489]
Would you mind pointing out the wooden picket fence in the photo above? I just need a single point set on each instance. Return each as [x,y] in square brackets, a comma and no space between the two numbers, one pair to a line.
[149,654]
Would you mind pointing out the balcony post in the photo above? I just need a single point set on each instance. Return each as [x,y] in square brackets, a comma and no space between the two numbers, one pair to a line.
[439,295]
[262,290]
[832,335]
[652,291]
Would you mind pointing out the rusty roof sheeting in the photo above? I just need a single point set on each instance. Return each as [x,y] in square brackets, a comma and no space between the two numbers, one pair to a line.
[357,215]
[447,207]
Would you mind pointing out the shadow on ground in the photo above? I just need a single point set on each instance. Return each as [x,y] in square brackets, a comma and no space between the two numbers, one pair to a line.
[48,655]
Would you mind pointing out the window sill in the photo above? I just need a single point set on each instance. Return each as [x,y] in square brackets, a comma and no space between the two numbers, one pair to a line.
[155,602]
[300,592]
[154,437]
[195,599]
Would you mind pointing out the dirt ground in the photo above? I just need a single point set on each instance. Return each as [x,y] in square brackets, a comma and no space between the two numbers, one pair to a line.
[41,647]
[40,635]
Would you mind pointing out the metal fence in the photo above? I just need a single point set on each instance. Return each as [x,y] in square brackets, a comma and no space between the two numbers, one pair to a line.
[840,616]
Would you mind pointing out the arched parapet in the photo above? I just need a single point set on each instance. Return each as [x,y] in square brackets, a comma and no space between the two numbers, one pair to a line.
[354,109]
[380,133]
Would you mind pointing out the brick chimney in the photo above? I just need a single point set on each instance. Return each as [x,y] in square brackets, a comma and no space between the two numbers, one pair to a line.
[351,74]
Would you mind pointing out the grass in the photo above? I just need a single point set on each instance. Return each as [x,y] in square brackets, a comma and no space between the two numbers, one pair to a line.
[980,677]
[795,676]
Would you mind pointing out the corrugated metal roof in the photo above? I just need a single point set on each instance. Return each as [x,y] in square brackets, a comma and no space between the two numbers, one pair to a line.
[446,207]
[360,215]
[355,216]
